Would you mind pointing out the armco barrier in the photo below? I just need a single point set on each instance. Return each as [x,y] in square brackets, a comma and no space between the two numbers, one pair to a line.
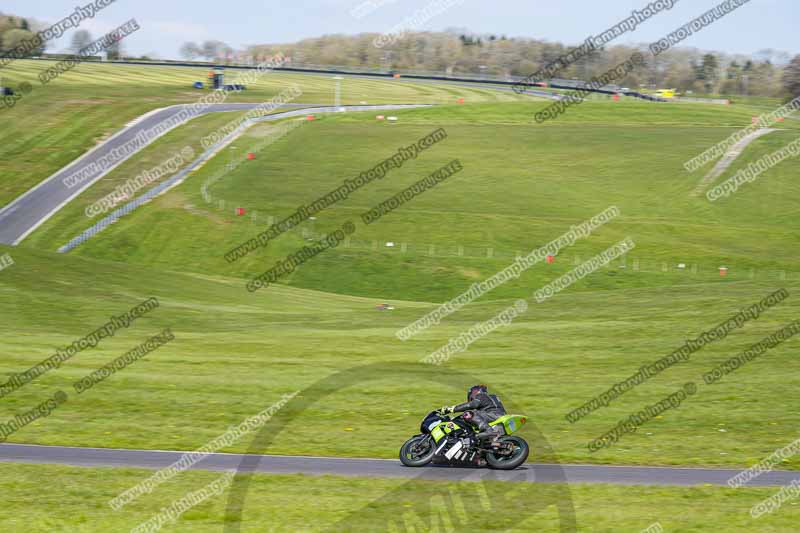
[355,71]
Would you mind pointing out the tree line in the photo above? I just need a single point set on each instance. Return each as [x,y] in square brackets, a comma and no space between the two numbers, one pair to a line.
[15,30]
[457,52]
[766,73]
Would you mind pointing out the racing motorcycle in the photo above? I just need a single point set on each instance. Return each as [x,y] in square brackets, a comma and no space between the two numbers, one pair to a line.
[451,439]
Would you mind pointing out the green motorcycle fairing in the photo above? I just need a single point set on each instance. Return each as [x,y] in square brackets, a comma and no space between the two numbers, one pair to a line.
[510,423]
[442,429]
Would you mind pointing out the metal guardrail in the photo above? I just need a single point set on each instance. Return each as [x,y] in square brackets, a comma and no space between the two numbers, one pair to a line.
[556,83]
[358,71]
[326,69]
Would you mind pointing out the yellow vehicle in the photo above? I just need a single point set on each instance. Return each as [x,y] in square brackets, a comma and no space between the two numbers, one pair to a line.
[666,93]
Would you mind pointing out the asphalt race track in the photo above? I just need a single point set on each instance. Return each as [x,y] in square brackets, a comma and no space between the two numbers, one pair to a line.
[28,211]
[391,468]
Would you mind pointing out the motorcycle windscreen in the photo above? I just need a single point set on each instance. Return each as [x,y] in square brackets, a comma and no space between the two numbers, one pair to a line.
[430,421]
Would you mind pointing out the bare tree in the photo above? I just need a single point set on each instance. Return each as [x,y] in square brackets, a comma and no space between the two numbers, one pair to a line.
[791,77]
[80,40]
[115,51]
[213,49]
[190,51]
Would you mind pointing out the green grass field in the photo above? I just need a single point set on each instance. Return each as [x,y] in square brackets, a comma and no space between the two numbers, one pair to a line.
[57,122]
[523,185]
[80,496]
[236,353]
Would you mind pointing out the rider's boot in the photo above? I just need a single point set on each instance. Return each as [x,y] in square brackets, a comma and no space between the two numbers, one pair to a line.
[491,433]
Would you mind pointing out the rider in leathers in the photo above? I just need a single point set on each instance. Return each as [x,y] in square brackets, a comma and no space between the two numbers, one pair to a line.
[485,408]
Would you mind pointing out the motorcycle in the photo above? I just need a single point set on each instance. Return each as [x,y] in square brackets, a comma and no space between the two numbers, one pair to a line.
[451,439]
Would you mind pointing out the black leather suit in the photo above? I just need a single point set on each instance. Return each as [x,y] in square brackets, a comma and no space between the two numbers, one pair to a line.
[485,407]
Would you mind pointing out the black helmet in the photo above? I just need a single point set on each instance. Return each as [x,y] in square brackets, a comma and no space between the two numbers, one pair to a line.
[475,390]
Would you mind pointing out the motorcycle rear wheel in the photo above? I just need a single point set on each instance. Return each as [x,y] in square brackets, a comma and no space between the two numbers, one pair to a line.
[417,451]
[505,462]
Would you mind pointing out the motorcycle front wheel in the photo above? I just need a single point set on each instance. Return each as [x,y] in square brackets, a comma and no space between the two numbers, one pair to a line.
[417,451]
[511,455]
